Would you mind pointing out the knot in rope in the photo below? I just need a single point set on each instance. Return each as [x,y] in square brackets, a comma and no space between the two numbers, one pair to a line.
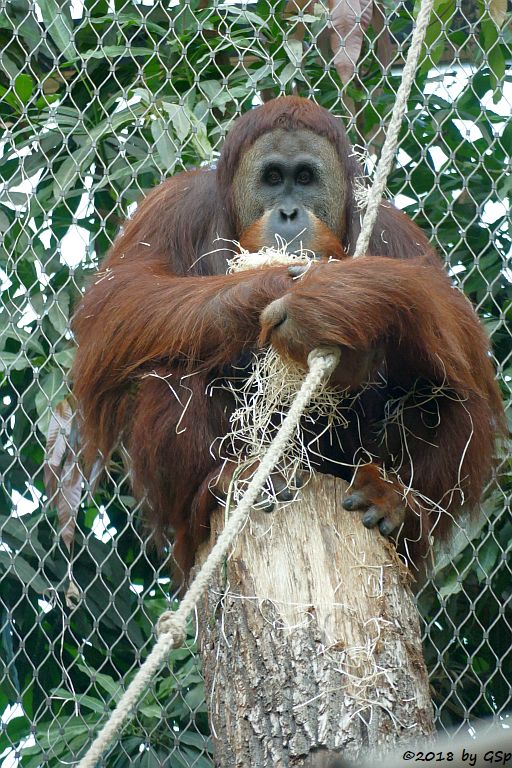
[169,623]
[327,357]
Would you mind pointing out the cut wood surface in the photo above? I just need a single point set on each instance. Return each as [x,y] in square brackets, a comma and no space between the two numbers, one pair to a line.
[310,639]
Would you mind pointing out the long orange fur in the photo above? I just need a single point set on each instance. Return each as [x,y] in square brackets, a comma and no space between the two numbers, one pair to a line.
[162,320]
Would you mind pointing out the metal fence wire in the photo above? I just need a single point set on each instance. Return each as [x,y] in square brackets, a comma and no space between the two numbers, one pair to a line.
[102,99]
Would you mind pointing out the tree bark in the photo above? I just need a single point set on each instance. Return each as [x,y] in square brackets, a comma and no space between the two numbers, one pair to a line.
[310,640]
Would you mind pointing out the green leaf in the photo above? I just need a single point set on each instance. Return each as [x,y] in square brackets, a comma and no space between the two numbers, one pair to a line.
[20,199]
[16,532]
[58,312]
[259,74]
[50,736]
[165,147]
[195,697]
[29,30]
[451,585]
[83,700]
[13,361]
[293,49]
[114,51]
[489,38]
[50,393]
[4,221]
[24,571]
[288,72]
[488,555]
[104,681]
[13,732]
[57,18]
[151,711]
[196,740]
[23,87]
[80,159]
[179,118]
[65,357]
[212,88]
[242,15]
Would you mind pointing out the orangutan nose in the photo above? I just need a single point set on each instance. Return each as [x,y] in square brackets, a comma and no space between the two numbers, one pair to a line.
[288,214]
[289,222]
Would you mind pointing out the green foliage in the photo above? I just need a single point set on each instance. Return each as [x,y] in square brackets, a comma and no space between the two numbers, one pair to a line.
[95,111]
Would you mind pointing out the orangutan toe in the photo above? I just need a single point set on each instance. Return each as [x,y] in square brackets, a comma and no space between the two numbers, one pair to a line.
[355,501]
[280,490]
[388,519]
[380,499]
[264,502]
[280,487]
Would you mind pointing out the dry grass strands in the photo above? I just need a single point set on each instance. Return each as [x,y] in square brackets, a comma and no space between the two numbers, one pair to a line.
[263,400]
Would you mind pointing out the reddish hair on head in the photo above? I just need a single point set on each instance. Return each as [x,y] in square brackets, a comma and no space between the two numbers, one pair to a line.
[289,113]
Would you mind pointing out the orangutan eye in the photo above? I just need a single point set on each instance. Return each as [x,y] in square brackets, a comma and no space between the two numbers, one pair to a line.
[273,177]
[304,176]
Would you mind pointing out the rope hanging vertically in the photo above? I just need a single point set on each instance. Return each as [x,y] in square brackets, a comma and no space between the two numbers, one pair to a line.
[391,141]
[172,625]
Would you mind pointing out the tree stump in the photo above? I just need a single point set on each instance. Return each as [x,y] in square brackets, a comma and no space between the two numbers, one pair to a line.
[310,639]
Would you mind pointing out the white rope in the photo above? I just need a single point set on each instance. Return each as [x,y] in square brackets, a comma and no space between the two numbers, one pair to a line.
[390,144]
[172,626]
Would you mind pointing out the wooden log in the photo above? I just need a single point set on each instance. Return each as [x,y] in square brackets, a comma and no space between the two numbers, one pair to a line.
[310,639]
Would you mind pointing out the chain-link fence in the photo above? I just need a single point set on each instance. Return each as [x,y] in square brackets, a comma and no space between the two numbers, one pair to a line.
[100,100]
